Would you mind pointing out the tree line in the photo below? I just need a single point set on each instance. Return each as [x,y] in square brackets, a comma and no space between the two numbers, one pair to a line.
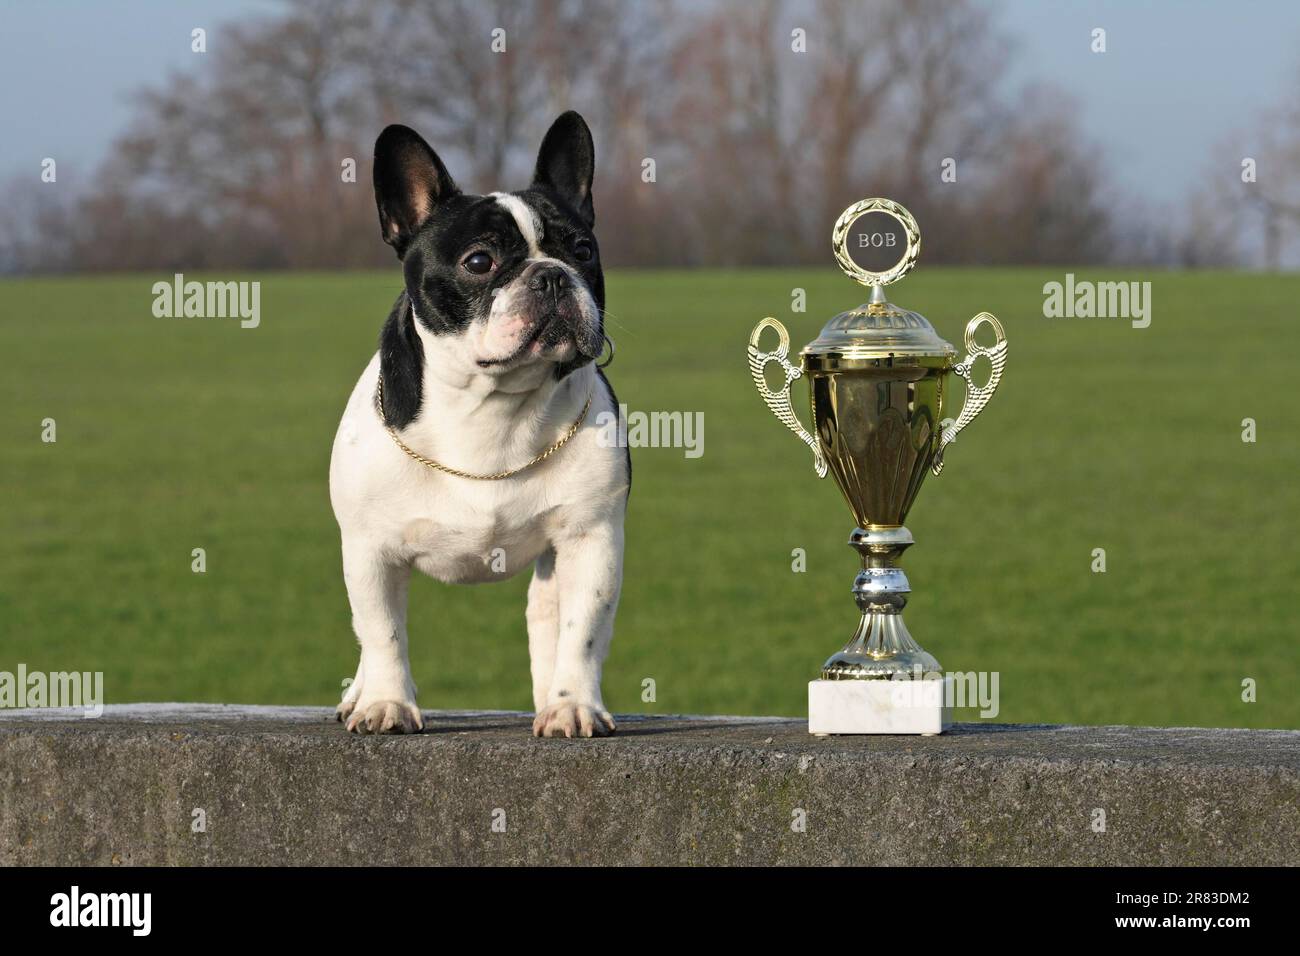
[728,133]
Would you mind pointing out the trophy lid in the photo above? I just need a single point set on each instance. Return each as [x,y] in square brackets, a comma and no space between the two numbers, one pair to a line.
[877,328]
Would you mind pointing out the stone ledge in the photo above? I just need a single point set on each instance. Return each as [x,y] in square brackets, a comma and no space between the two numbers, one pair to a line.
[286,785]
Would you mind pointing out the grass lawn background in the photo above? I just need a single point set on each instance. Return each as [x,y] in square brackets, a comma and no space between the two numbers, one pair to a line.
[182,433]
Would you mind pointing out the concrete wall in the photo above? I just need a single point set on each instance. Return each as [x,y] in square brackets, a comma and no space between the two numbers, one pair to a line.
[289,786]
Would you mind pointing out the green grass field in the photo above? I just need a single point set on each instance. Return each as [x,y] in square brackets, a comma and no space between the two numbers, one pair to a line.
[175,434]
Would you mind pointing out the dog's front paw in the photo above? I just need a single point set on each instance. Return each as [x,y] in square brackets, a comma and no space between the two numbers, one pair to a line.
[384,717]
[570,719]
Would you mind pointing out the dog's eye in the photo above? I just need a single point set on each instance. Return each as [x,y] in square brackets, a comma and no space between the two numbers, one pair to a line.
[583,251]
[479,263]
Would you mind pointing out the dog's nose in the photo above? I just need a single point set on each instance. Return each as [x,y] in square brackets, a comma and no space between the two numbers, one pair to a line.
[549,280]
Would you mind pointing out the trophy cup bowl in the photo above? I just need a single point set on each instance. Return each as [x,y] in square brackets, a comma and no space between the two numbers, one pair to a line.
[879,380]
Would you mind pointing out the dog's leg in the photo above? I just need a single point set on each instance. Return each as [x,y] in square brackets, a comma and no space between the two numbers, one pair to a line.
[543,625]
[588,573]
[377,592]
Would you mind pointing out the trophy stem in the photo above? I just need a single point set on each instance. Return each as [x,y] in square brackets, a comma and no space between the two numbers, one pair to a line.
[881,647]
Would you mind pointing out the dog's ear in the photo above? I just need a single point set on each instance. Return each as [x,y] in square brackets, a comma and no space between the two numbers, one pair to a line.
[566,163]
[410,182]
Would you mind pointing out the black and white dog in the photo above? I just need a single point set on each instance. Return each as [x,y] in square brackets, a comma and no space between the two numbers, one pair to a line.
[485,363]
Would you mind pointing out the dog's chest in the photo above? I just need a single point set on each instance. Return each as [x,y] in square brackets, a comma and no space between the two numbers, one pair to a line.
[461,544]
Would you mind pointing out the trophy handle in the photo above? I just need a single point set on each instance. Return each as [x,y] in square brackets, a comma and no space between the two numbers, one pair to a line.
[977,396]
[779,402]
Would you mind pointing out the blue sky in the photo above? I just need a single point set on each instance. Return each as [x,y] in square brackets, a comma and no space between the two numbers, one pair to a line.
[1179,75]
[68,67]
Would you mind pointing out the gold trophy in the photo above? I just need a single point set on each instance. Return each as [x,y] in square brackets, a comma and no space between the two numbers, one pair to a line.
[880,381]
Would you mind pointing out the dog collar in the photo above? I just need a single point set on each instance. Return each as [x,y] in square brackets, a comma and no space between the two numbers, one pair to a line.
[436,466]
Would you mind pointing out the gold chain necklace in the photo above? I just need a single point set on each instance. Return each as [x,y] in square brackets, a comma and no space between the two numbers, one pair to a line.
[573,430]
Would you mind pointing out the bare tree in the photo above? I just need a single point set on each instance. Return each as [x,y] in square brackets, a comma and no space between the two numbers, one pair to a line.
[761,119]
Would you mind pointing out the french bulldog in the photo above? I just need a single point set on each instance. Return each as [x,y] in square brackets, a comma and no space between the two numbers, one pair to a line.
[486,363]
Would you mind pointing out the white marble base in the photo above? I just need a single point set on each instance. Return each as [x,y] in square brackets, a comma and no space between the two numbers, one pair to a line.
[877,707]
